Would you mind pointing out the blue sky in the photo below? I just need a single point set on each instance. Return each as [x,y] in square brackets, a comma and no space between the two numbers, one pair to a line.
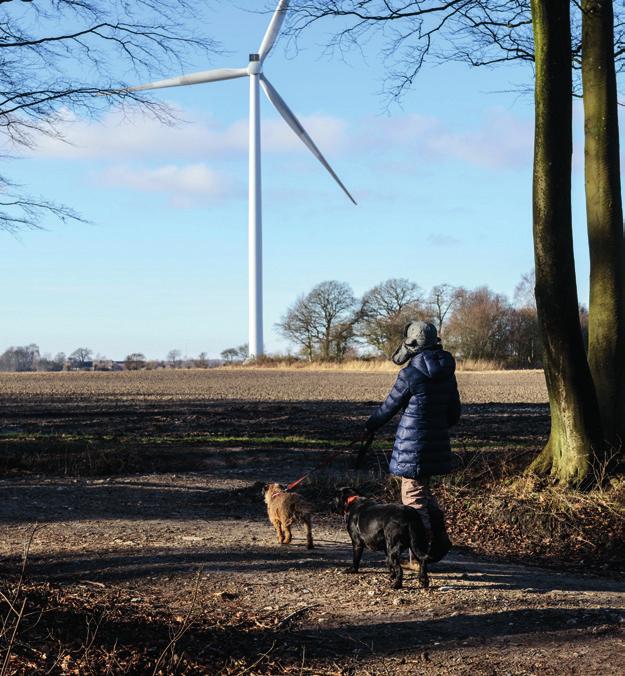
[443,184]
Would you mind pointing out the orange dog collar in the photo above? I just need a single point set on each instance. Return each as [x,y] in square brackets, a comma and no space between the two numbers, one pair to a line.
[348,502]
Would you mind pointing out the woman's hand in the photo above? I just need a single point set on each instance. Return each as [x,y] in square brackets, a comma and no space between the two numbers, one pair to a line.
[364,437]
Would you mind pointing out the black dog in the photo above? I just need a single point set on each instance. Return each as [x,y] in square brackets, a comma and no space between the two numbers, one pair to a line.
[388,528]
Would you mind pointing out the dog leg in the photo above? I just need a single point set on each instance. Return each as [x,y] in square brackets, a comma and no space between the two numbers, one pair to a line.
[395,568]
[288,534]
[357,549]
[309,537]
[278,526]
[424,579]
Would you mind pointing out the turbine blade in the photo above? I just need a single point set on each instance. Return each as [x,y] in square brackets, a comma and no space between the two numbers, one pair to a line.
[194,78]
[289,117]
[274,29]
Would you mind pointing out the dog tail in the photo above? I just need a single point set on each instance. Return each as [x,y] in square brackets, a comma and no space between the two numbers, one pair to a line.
[417,543]
[441,544]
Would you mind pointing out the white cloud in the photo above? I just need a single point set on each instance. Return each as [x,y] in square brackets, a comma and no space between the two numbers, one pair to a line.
[499,140]
[442,240]
[143,154]
[185,186]
[134,137]
[503,141]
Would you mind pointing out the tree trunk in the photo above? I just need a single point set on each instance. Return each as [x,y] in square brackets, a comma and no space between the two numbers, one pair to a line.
[575,425]
[606,322]
[327,342]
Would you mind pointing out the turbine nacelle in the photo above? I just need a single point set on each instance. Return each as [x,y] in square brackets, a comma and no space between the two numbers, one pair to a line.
[255,66]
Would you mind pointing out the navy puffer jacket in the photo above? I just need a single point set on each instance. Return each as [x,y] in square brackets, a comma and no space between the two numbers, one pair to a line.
[427,393]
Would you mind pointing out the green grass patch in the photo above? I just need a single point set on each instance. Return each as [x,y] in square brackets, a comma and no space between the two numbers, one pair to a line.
[168,439]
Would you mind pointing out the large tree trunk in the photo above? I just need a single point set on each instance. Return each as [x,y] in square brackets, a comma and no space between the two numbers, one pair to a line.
[575,424]
[606,347]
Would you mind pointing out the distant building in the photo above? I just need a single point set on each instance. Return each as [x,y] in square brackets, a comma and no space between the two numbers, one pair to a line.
[73,365]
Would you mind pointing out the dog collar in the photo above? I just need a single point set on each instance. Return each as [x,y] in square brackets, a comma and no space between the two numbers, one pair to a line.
[348,502]
[274,495]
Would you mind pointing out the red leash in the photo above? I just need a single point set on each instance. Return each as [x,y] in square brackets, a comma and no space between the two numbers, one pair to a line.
[327,461]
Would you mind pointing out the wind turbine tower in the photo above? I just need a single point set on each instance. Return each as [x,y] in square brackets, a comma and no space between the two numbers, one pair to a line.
[254,71]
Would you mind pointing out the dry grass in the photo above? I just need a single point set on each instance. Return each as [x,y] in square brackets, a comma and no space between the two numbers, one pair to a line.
[348,366]
[483,365]
[358,365]
[51,628]
[539,523]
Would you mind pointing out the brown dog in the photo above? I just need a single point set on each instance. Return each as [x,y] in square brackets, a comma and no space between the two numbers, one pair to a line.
[284,509]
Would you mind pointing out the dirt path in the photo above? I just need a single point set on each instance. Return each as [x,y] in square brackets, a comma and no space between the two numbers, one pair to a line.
[149,535]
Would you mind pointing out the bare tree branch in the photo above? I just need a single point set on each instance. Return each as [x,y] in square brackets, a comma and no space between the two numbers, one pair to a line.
[413,32]
[61,57]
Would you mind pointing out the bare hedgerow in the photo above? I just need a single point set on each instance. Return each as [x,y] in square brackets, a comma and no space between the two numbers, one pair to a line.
[15,607]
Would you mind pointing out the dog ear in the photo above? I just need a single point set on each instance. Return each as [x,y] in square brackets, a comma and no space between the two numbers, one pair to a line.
[340,497]
[345,492]
[266,488]
[338,503]
[335,504]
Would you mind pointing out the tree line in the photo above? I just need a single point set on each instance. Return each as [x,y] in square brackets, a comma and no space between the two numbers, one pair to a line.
[28,358]
[331,323]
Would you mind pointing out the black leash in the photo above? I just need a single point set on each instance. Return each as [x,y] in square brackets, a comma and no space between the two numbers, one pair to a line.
[365,445]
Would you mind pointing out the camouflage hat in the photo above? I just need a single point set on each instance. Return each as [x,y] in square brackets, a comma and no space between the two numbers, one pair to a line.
[417,336]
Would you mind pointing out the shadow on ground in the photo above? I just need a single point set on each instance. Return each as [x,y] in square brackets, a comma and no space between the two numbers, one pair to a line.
[115,565]
[334,420]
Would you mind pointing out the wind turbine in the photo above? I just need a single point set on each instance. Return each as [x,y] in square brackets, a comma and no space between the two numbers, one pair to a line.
[257,78]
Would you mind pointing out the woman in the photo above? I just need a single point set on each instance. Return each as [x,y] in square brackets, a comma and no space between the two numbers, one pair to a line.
[426,392]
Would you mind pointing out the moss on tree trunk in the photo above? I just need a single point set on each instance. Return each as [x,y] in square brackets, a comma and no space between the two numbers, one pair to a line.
[575,425]
[606,322]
